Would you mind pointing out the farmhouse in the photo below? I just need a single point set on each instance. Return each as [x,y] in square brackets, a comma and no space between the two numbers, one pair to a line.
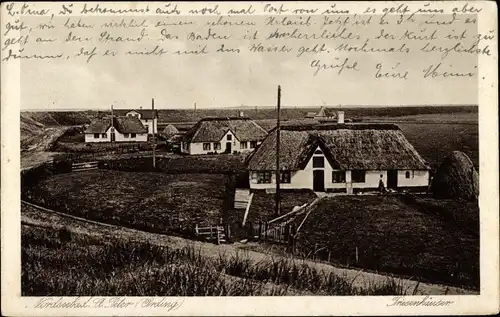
[339,157]
[324,114]
[147,117]
[114,128]
[223,135]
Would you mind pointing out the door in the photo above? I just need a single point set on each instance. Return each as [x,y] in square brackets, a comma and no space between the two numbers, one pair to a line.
[392,179]
[228,147]
[112,137]
[319,180]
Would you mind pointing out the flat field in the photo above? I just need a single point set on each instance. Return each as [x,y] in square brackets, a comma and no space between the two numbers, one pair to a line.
[424,238]
[152,201]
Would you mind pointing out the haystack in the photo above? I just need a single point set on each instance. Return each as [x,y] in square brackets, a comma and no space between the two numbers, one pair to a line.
[169,131]
[456,178]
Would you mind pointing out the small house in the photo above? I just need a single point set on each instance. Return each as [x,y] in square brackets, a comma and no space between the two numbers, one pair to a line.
[148,118]
[324,114]
[116,129]
[223,135]
[339,157]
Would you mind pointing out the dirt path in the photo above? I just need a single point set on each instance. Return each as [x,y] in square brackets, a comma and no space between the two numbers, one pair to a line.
[50,219]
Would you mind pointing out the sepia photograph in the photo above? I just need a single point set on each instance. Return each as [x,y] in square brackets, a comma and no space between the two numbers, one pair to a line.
[165,151]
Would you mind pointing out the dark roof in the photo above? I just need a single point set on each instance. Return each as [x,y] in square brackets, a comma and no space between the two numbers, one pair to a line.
[214,129]
[121,124]
[145,113]
[346,146]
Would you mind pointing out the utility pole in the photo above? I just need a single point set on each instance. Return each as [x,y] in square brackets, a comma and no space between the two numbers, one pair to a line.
[154,138]
[112,126]
[278,174]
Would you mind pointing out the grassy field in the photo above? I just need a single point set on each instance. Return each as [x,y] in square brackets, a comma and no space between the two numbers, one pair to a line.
[157,202]
[55,262]
[398,235]
[435,141]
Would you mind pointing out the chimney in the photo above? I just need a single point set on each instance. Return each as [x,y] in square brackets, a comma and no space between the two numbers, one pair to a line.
[241,114]
[140,107]
[340,117]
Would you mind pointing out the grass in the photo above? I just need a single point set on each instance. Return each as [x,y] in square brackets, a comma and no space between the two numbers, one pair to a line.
[393,235]
[56,263]
[151,201]
[445,139]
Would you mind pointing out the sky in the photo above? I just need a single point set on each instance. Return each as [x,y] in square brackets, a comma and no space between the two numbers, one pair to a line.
[231,80]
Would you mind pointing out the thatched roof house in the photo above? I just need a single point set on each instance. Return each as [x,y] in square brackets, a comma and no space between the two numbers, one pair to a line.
[116,129]
[323,113]
[148,117]
[223,135]
[369,151]
[456,177]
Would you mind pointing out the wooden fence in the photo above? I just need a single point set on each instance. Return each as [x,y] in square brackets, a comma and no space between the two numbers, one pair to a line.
[217,234]
[281,233]
[76,167]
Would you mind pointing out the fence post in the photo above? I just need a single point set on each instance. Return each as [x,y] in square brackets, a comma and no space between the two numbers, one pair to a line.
[211,236]
[329,253]
[265,231]
[357,257]
[218,235]
[196,229]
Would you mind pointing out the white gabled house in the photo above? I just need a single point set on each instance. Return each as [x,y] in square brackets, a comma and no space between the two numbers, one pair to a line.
[223,135]
[116,129]
[339,157]
[148,118]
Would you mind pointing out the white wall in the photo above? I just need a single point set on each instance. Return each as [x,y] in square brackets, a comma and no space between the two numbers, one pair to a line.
[139,137]
[417,178]
[148,123]
[197,148]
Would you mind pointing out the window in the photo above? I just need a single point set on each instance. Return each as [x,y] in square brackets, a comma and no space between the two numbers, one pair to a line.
[206,146]
[358,176]
[96,135]
[229,137]
[217,146]
[338,177]
[146,126]
[104,136]
[132,135]
[253,144]
[318,161]
[285,177]
[407,174]
[264,178]
[318,152]
[243,145]
[125,135]
[185,145]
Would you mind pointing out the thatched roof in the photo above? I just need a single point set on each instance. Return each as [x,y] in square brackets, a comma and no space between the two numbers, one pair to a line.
[121,124]
[169,130]
[145,113]
[456,177]
[214,129]
[346,146]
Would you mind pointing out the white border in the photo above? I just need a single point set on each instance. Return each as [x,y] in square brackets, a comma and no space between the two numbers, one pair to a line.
[487,302]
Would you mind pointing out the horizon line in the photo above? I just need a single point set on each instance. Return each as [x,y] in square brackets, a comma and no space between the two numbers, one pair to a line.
[253,107]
